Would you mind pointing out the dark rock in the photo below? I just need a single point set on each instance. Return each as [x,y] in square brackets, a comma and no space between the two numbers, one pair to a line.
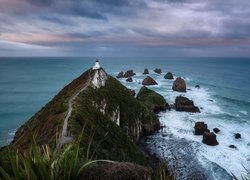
[197,86]
[169,75]
[129,79]
[118,170]
[216,130]
[151,98]
[237,135]
[149,81]
[179,85]
[232,146]
[129,73]
[184,104]
[147,129]
[171,106]
[159,108]
[120,74]
[162,127]
[132,92]
[157,70]
[200,128]
[209,138]
[146,71]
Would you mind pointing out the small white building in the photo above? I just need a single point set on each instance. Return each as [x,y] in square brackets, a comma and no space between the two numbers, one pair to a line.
[97,65]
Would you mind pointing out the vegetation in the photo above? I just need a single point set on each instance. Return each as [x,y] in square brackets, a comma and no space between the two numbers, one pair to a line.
[46,122]
[119,142]
[112,119]
[150,97]
[40,162]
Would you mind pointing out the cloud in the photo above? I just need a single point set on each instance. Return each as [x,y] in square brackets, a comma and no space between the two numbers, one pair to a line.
[142,25]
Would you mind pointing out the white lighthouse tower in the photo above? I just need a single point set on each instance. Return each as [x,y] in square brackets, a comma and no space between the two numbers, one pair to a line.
[97,65]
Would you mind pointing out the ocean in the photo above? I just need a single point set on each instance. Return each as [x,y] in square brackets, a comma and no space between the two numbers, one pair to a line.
[27,84]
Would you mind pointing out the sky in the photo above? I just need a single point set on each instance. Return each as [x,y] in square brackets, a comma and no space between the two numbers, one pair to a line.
[173,28]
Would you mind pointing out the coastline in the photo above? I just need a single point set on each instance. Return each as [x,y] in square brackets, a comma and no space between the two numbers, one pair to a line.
[213,113]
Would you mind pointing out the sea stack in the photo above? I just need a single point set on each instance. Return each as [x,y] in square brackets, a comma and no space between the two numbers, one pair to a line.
[148,81]
[179,85]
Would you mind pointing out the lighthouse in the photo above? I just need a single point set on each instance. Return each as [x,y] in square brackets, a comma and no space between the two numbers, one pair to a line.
[97,65]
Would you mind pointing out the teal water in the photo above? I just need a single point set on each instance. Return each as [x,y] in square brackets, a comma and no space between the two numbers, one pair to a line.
[27,84]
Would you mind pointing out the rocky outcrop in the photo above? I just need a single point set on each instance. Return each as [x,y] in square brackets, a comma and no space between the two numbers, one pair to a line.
[209,138]
[120,74]
[216,130]
[132,92]
[237,135]
[169,75]
[160,108]
[129,79]
[105,105]
[117,171]
[232,146]
[152,99]
[184,104]
[197,86]
[148,81]
[146,71]
[158,71]
[129,73]
[179,85]
[200,128]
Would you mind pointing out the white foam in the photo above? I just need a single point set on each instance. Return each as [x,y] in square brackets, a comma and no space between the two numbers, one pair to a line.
[243,112]
[181,125]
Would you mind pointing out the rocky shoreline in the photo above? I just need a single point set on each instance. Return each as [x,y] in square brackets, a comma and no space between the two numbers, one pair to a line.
[182,104]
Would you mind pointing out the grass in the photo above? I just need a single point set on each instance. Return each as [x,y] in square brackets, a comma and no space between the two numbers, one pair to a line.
[40,162]
[150,97]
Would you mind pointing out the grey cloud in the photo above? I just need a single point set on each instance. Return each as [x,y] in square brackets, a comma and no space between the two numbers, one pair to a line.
[41,2]
[85,35]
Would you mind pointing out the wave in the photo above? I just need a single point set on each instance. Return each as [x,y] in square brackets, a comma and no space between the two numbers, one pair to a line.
[233,100]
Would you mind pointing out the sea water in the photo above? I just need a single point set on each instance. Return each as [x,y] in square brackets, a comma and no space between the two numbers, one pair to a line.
[27,84]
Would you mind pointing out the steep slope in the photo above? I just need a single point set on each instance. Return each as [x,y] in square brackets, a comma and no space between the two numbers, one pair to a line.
[98,105]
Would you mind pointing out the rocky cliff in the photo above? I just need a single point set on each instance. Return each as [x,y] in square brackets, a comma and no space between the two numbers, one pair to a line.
[101,110]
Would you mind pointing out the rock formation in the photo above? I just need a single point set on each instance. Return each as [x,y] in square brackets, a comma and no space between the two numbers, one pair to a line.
[179,85]
[120,74]
[117,171]
[152,99]
[129,73]
[169,75]
[157,70]
[197,86]
[148,81]
[184,104]
[200,128]
[129,79]
[100,103]
[237,135]
[146,71]
[209,138]
[232,146]
[216,130]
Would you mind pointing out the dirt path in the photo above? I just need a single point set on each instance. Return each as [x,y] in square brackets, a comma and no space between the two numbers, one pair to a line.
[64,138]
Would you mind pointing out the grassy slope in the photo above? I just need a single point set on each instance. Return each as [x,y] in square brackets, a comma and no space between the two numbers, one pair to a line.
[150,97]
[48,121]
[108,141]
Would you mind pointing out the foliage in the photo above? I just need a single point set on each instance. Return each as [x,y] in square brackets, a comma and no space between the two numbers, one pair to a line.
[163,174]
[150,97]
[39,162]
